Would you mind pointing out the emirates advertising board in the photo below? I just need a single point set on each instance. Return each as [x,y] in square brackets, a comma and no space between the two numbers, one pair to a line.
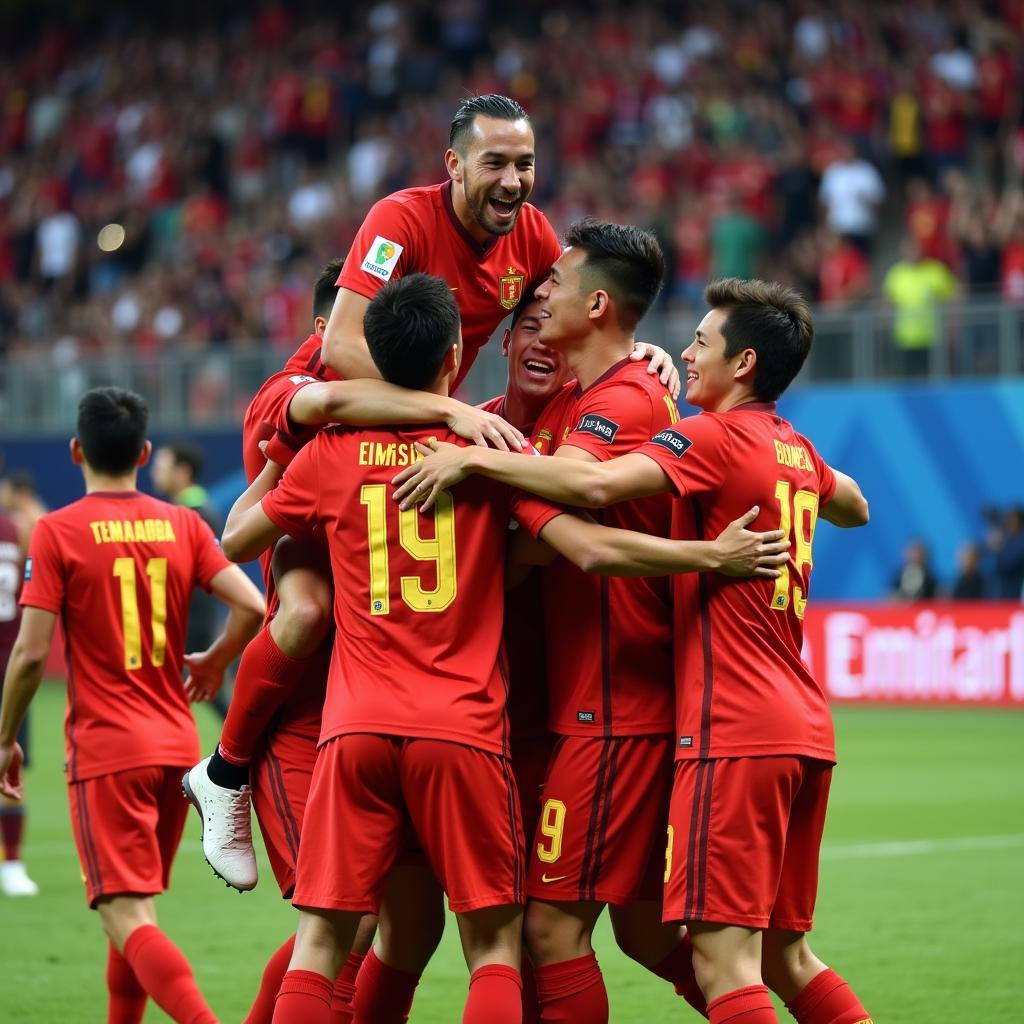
[967,654]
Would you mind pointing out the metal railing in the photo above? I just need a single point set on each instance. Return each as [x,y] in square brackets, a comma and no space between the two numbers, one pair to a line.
[210,388]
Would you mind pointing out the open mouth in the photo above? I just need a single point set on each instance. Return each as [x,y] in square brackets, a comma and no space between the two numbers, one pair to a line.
[539,369]
[690,377]
[503,209]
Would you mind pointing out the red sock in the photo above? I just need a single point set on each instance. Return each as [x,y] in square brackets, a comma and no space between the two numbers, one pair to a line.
[304,998]
[342,1011]
[750,1005]
[262,1010]
[572,992]
[677,969]
[12,827]
[827,999]
[531,1004]
[495,996]
[383,994]
[163,971]
[266,676]
[127,998]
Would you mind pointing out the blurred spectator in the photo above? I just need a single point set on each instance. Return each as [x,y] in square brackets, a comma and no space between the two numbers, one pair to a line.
[915,580]
[1005,541]
[19,498]
[970,581]
[736,241]
[916,287]
[844,271]
[851,192]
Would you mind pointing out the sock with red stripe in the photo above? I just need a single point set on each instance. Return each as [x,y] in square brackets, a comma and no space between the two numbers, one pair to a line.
[531,1003]
[304,998]
[572,992]
[12,828]
[827,999]
[126,997]
[266,676]
[262,1010]
[163,971]
[342,1010]
[677,970]
[751,1005]
[383,994]
[495,996]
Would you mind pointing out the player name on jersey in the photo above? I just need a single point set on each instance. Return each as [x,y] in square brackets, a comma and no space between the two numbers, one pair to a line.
[132,531]
[793,455]
[390,453]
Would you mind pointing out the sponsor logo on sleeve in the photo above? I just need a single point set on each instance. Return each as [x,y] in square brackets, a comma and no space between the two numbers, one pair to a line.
[381,258]
[685,741]
[672,440]
[28,569]
[589,717]
[301,378]
[599,426]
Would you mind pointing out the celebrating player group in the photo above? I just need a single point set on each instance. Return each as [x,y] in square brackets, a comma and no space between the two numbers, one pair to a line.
[463,684]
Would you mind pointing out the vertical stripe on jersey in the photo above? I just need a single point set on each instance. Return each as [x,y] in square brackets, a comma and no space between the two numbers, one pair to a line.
[691,842]
[92,863]
[705,639]
[595,807]
[506,683]
[702,877]
[72,705]
[283,805]
[602,832]
[606,659]
[518,867]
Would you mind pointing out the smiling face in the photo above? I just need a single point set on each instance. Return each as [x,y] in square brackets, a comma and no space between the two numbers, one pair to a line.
[564,301]
[494,175]
[711,378]
[536,373]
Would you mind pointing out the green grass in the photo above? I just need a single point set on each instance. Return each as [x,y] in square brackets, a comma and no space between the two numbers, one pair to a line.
[929,935]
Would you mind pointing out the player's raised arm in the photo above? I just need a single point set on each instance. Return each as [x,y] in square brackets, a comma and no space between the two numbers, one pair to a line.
[568,481]
[847,507]
[249,531]
[606,551]
[345,350]
[24,674]
[246,609]
[375,402]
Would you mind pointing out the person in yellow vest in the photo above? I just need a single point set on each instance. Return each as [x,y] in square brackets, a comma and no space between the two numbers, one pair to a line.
[917,287]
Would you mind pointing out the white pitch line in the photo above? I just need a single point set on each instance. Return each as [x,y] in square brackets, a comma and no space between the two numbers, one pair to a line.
[918,847]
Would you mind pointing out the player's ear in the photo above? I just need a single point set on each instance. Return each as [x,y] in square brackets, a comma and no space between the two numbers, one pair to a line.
[453,162]
[451,360]
[319,325]
[505,341]
[77,456]
[745,367]
[599,303]
[147,450]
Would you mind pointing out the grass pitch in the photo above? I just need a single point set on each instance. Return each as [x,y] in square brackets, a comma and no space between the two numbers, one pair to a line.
[921,901]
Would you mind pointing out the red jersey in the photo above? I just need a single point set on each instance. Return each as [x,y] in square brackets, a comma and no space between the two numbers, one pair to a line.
[417,231]
[418,598]
[119,568]
[10,581]
[609,652]
[742,688]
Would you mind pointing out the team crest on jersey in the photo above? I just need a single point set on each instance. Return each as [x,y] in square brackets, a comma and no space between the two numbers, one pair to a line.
[510,287]
[28,568]
[675,442]
[543,438]
[381,258]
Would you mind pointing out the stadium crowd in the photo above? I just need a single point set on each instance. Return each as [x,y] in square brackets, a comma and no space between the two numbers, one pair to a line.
[162,184]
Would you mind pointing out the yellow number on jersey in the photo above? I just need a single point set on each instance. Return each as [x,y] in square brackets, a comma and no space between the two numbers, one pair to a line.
[156,570]
[797,520]
[552,823]
[439,549]
[668,853]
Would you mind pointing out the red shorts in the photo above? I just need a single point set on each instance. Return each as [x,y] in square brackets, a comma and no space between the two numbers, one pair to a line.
[372,796]
[530,759]
[127,827]
[744,838]
[602,828]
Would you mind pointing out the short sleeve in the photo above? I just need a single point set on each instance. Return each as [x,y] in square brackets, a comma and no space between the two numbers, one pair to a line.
[694,454]
[532,513]
[381,249]
[826,477]
[209,559]
[292,504]
[615,419]
[45,575]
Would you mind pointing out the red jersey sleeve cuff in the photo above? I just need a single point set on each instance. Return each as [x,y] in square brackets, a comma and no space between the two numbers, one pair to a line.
[534,514]
[665,461]
[42,603]
[292,527]
[282,447]
[206,582]
[364,286]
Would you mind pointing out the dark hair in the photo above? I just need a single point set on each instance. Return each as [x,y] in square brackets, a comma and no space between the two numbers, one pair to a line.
[21,480]
[627,262]
[187,454]
[528,297]
[112,429]
[410,325]
[502,108]
[771,319]
[326,288]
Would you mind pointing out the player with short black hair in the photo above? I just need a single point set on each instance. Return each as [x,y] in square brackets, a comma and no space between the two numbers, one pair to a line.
[118,567]
[492,105]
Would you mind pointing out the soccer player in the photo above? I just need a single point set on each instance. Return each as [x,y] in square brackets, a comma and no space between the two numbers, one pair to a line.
[414,733]
[119,567]
[754,736]
[14,879]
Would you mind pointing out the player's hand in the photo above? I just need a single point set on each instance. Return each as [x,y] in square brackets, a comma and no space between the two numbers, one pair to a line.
[11,758]
[661,364]
[205,675]
[420,484]
[484,428]
[744,553]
